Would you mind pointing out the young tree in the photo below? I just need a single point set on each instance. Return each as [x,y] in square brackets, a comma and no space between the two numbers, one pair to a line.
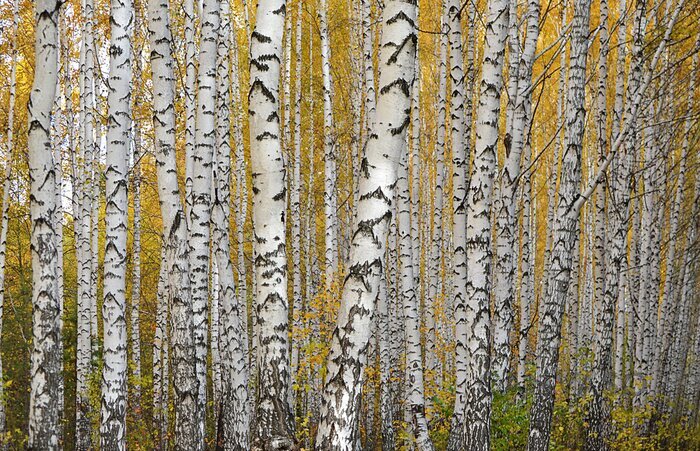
[330,199]
[234,419]
[347,357]
[564,237]
[479,197]
[176,248]
[4,222]
[45,373]
[83,165]
[274,424]
[411,310]
[113,426]
[200,210]
[458,426]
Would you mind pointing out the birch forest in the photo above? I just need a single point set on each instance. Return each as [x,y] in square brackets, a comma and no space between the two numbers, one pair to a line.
[350,225]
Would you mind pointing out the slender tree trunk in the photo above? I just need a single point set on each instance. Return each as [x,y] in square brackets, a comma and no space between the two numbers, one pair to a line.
[479,199]
[234,418]
[460,164]
[9,147]
[136,264]
[347,357]
[190,100]
[296,212]
[554,166]
[200,210]
[160,358]
[383,331]
[114,394]
[44,403]
[330,200]
[273,420]
[414,364]
[436,239]
[83,194]
[506,221]
[668,308]
[177,272]
[458,426]
[564,237]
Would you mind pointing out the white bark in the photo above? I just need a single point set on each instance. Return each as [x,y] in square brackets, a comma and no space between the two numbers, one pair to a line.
[460,164]
[458,426]
[506,220]
[347,356]
[564,237]
[414,364]
[160,360]
[114,395]
[479,199]
[386,396]
[9,146]
[83,165]
[177,272]
[200,210]
[45,374]
[136,263]
[296,210]
[273,421]
[190,99]
[436,239]
[233,427]
[330,199]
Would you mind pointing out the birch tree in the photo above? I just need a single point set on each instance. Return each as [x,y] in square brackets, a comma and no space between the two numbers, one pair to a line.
[234,417]
[113,426]
[457,426]
[347,357]
[479,199]
[330,200]
[200,210]
[83,162]
[295,201]
[176,254]
[506,220]
[5,221]
[45,373]
[564,233]
[414,364]
[273,419]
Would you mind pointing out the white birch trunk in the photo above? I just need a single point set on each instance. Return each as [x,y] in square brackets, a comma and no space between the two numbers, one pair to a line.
[479,199]
[273,420]
[114,393]
[458,426]
[564,237]
[190,99]
[82,222]
[160,365]
[386,395]
[45,373]
[330,199]
[296,211]
[233,426]
[414,364]
[347,357]
[177,272]
[200,210]
[136,262]
[9,146]
[506,220]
